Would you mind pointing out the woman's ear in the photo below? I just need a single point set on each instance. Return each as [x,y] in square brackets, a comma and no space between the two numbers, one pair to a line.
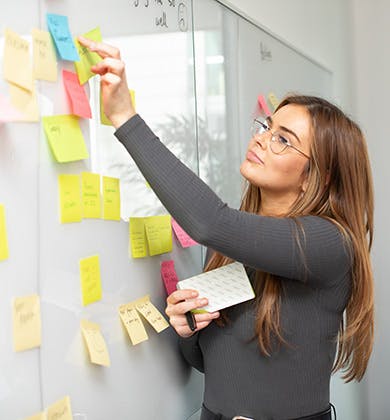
[305,177]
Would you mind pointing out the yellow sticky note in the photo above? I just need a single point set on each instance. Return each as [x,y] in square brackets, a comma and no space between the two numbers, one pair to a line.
[91,195]
[274,101]
[96,345]
[25,101]
[138,245]
[87,57]
[91,286]
[38,416]
[134,326]
[17,64]
[60,410]
[151,313]
[44,56]
[65,138]
[26,322]
[111,198]
[159,234]
[103,118]
[70,201]
[4,252]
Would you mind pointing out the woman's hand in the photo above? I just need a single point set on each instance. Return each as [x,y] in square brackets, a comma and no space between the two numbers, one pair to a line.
[116,98]
[181,301]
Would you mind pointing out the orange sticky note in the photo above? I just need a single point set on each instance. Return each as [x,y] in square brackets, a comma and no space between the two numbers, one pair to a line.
[44,56]
[263,105]
[76,94]
[184,239]
[169,276]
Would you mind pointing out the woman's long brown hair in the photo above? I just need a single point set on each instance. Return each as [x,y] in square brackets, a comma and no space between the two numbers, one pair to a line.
[339,189]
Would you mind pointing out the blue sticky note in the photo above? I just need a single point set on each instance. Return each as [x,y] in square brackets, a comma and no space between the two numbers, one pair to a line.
[59,29]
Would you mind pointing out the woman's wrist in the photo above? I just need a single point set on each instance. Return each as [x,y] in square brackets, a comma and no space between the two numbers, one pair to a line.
[119,120]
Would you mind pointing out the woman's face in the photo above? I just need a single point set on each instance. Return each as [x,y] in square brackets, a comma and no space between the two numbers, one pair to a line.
[284,173]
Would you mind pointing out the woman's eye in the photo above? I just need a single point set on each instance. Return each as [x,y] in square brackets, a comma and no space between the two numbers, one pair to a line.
[283,140]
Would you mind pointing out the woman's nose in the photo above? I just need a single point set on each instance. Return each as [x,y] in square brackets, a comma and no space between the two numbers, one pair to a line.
[261,140]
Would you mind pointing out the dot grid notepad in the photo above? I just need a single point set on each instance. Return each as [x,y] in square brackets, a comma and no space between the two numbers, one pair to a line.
[223,287]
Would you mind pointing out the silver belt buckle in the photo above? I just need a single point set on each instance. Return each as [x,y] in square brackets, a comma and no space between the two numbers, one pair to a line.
[241,418]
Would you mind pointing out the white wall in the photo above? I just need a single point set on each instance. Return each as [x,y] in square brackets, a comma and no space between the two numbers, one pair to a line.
[372,63]
[323,31]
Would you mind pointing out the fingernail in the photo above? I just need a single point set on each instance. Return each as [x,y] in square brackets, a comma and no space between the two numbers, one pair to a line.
[194,293]
[203,301]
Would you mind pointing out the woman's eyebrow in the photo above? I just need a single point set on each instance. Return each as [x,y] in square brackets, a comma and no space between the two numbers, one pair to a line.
[283,128]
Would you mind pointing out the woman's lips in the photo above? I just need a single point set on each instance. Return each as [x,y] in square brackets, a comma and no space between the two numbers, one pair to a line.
[252,157]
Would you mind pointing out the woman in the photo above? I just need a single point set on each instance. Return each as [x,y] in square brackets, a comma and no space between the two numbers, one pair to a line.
[303,232]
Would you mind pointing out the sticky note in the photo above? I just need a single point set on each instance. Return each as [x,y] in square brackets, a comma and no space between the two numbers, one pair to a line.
[38,416]
[78,100]
[69,195]
[25,101]
[44,56]
[103,118]
[159,234]
[16,62]
[7,110]
[91,286]
[263,105]
[90,187]
[26,322]
[4,252]
[151,313]
[274,101]
[169,276]
[138,244]
[59,29]
[87,57]
[111,198]
[96,345]
[184,239]
[65,138]
[60,410]
[133,324]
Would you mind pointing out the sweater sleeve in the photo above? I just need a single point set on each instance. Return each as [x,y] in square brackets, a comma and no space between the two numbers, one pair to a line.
[307,249]
[191,351]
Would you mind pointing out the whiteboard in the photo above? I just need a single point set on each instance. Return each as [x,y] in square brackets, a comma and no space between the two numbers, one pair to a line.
[196,68]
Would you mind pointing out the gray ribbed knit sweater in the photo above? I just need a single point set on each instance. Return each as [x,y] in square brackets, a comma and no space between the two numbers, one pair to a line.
[294,380]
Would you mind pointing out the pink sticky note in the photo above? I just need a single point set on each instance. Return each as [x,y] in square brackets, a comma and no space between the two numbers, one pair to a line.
[7,111]
[76,94]
[184,239]
[263,105]
[169,276]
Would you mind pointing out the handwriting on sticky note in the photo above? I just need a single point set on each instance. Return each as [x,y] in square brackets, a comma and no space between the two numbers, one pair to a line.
[60,410]
[65,138]
[274,101]
[137,234]
[26,322]
[44,56]
[133,323]
[87,57]
[69,195]
[59,29]
[169,276]
[96,345]
[38,416]
[111,198]
[151,313]
[91,201]
[4,251]
[159,234]
[263,105]
[76,94]
[91,287]
[184,239]
[17,65]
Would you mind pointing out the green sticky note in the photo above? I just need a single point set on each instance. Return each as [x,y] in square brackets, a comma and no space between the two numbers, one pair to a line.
[70,202]
[87,57]
[159,234]
[91,195]
[65,138]
[111,198]
[3,235]
[138,245]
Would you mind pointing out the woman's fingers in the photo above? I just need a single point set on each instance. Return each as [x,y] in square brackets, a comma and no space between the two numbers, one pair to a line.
[102,49]
[109,65]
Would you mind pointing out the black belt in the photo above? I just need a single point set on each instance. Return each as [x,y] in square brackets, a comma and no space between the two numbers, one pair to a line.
[209,415]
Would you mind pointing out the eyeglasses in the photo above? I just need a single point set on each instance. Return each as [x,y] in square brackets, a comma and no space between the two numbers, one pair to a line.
[278,143]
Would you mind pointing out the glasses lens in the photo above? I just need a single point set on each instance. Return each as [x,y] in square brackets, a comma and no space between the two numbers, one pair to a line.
[257,128]
[278,144]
